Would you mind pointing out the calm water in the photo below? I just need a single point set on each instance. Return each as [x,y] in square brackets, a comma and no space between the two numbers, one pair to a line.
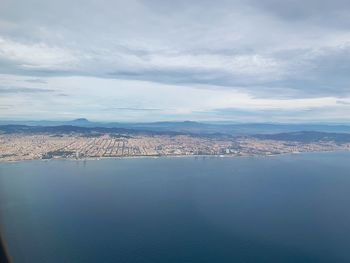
[292,208]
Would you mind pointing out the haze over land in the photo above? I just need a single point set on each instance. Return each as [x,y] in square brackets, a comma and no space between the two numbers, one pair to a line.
[247,61]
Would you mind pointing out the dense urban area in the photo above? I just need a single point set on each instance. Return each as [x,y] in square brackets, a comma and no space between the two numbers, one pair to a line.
[19,146]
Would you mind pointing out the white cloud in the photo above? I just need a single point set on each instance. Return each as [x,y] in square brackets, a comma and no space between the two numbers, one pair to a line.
[37,55]
[188,57]
[104,99]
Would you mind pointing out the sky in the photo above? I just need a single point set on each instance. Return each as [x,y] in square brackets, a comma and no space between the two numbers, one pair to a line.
[157,60]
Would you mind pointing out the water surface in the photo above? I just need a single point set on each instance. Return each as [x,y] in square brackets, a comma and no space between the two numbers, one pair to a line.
[292,208]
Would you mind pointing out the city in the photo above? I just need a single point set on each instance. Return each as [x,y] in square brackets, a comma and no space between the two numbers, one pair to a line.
[15,147]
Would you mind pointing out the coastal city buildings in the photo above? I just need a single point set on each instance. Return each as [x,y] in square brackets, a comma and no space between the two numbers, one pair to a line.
[15,147]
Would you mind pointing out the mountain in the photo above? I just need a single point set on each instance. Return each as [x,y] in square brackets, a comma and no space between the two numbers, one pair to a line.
[307,137]
[195,127]
[80,121]
[69,129]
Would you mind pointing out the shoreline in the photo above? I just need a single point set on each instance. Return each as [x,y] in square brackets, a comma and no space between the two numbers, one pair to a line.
[170,156]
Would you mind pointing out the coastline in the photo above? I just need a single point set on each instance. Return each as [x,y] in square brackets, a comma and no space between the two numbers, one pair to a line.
[170,156]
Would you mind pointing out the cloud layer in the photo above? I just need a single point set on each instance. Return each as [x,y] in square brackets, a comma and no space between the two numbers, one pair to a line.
[281,56]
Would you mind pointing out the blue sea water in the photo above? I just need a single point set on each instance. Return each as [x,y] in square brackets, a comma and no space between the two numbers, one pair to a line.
[290,208]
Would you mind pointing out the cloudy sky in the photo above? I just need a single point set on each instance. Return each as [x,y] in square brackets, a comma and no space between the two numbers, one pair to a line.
[151,60]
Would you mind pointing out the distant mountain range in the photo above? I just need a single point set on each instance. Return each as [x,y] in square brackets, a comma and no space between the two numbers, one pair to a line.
[307,137]
[68,129]
[316,133]
[192,127]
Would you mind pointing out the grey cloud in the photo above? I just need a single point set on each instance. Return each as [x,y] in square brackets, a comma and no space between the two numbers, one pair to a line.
[175,76]
[109,42]
[132,109]
[324,74]
[36,81]
[62,95]
[303,10]
[12,67]
[9,90]
[341,102]
[6,107]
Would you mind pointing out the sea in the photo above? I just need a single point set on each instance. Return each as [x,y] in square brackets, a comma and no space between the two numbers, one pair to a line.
[287,208]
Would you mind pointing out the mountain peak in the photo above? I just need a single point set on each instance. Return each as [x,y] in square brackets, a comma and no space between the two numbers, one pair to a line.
[80,120]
